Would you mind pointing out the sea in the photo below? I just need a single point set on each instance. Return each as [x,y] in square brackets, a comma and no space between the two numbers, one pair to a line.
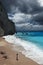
[32,42]
[34,37]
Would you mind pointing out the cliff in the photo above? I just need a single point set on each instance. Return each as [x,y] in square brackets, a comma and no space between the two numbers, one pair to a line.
[7,27]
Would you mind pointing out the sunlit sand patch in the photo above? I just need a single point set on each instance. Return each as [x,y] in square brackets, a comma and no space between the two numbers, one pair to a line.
[2,42]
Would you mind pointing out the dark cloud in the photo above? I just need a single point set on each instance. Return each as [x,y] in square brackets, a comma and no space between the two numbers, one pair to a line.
[39,18]
[25,6]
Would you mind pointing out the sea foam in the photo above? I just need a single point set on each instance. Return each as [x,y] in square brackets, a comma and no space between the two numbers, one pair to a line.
[30,49]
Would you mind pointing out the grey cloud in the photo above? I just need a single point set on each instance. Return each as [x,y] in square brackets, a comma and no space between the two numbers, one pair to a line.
[39,18]
[25,6]
[29,27]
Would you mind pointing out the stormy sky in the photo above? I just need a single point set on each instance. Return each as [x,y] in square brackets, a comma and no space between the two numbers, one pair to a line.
[34,8]
[25,6]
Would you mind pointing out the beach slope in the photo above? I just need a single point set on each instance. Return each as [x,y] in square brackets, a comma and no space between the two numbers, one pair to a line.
[9,57]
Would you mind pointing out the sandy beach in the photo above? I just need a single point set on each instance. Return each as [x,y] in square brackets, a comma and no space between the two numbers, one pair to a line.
[9,57]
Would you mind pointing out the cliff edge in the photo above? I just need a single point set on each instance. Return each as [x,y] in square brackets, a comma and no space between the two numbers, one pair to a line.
[7,27]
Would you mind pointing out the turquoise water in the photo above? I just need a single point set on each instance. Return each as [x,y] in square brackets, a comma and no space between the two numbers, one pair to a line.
[34,37]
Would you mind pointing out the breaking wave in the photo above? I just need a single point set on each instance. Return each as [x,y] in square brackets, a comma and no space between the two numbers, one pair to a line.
[30,49]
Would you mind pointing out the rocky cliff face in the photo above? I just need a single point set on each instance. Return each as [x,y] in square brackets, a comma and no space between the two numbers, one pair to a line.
[7,27]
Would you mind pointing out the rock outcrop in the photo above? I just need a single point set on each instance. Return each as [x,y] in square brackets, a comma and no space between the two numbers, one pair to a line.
[7,27]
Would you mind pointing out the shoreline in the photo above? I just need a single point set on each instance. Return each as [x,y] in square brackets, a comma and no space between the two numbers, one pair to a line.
[6,47]
[26,48]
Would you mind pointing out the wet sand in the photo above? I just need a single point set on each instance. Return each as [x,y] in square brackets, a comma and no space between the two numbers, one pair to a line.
[10,57]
